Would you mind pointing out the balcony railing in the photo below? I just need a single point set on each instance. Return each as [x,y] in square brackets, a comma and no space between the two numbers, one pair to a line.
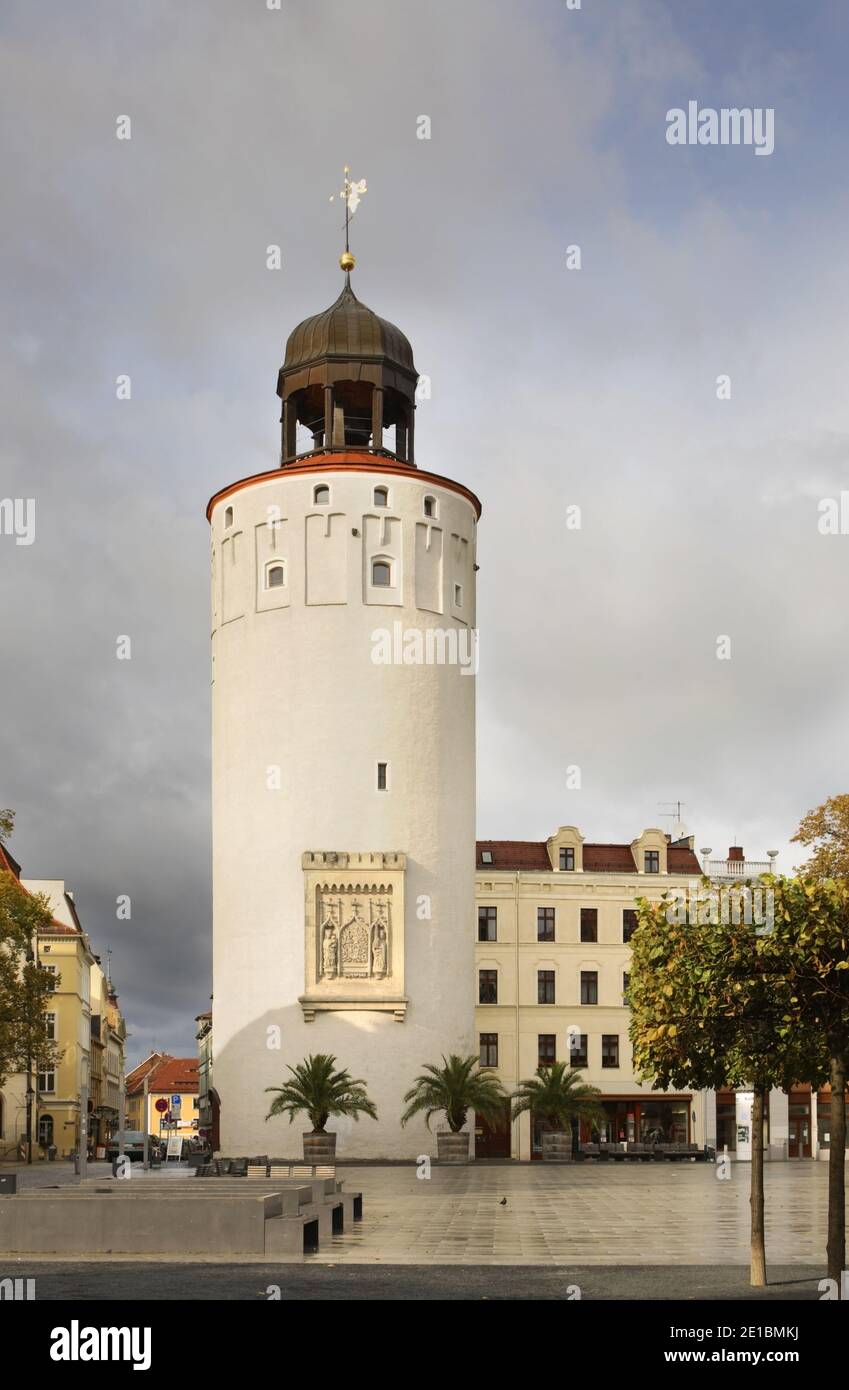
[737,868]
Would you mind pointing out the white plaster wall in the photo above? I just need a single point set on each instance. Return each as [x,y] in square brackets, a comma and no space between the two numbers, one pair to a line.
[295,687]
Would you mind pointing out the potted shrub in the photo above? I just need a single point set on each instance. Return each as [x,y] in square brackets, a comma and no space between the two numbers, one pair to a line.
[319,1091]
[459,1085]
[556,1095]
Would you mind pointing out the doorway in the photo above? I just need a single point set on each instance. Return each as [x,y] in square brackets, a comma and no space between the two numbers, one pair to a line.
[493,1141]
[799,1139]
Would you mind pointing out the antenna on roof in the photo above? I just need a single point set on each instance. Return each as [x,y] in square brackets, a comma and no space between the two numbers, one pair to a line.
[678,828]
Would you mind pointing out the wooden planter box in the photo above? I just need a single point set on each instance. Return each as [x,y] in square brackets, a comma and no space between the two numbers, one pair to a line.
[452,1148]
[556,1148]
[319,1148]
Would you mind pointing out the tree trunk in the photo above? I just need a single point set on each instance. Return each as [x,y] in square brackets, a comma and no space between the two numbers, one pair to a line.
[836,1247]
[758,1256]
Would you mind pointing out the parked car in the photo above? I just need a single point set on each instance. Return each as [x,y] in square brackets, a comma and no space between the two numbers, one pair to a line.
[133,1146]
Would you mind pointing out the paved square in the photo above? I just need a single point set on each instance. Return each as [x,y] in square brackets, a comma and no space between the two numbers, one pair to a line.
[586,1214]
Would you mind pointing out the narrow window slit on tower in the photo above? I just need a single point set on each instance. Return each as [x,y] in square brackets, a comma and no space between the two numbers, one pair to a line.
[381,776]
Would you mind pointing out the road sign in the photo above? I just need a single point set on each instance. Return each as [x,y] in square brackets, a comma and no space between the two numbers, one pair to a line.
[175,1102]
[162,1105]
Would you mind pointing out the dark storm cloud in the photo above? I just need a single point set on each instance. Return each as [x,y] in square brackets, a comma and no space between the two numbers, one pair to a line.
[550,388]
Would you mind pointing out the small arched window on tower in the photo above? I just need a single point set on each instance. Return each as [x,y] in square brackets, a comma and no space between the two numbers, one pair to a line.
[381,497]
[228,517]
[321,495]
[275,575]
[458,596]
[381,573]
[430,506]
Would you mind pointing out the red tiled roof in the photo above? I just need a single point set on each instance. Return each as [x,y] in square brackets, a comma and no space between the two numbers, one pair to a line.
[165,1074]
[7,862]
[683,861]
[532,855]
[514,854]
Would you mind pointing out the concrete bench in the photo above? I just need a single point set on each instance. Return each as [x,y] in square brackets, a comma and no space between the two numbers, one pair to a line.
[79,1222]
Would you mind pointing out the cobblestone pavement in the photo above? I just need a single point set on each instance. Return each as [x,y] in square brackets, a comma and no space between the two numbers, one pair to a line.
[570,1215]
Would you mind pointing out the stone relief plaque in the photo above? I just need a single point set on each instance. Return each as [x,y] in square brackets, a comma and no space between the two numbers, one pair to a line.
[354,932]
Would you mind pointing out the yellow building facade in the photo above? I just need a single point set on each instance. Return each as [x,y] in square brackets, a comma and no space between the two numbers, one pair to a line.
[554,920]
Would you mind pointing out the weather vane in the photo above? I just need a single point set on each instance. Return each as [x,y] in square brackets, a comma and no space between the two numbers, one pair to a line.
[352,194]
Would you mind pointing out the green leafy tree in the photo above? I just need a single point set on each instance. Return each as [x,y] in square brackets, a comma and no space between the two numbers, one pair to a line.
[557,1095]
[319,1091]
[459,1085]
[825,831]
[7,824]
[25,987]
[810,944]
[710,1001]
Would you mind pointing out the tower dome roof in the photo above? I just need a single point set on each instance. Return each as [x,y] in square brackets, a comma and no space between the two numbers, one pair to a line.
[348,329]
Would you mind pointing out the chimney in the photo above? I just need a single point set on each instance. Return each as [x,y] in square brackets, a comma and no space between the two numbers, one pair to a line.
[735,854]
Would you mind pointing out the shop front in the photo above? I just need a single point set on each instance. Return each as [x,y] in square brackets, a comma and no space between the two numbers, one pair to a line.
[645,1119]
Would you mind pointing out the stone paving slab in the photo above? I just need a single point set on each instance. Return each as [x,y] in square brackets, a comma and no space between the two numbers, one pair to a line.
[567,1215]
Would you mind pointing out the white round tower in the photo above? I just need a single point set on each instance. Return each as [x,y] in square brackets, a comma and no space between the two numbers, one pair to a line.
[344,653]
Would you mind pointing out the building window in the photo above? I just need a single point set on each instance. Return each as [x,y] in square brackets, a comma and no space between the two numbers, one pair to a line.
[610,1049]
[50,1023]
[381,574]
[626,982]
[629,923]
[46,1081]
[458,596]
[275,576]
[578,1050]
[545,924]
[487,924]
[321,495]
[45,1131]
[567,859]
[589,924]
[489,1049]
[430,506]
[381,497]
[53,982]
[382,776]
[228,517]
[546,1049]
[589,986]
[545,986]
[487,986]
[651,861]
[486,856]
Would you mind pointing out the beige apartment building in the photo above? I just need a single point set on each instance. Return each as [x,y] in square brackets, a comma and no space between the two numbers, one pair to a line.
[554,920]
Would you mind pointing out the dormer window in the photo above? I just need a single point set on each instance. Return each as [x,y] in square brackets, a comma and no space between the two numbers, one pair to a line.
[381,574]
[381,497]
[430,506]
[321,495]
[567,859]
[486,856]
[228,517]
[651,861]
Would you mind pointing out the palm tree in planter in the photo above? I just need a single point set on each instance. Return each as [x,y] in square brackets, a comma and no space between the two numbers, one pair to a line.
[319,1091]
[459,1085]
[556,1095]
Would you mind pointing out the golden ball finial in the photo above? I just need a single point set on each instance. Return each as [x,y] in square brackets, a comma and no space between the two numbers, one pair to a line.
[347,261]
